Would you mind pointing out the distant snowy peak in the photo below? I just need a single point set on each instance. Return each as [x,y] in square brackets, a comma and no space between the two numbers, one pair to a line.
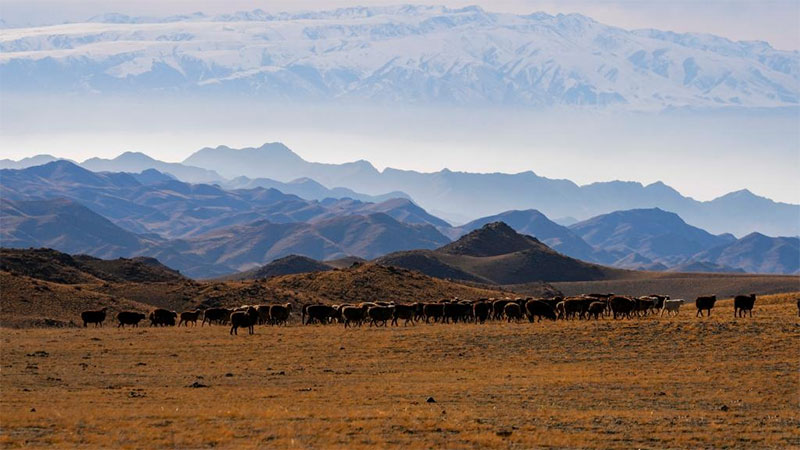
[401,54]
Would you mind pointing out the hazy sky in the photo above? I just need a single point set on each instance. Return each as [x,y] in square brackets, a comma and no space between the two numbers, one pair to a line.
[703,157]
[774,21]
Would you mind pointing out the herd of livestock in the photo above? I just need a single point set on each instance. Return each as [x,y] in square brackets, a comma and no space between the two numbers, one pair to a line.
[588,306]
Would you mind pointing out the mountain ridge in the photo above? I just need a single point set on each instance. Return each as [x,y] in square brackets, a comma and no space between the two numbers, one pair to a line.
[485,194]
[498,254]
[154,212]
[374,53]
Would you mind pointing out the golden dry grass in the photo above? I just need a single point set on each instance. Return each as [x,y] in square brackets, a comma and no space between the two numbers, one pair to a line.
[645,383]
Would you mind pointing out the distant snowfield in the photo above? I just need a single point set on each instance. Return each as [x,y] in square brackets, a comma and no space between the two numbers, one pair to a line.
[408,55]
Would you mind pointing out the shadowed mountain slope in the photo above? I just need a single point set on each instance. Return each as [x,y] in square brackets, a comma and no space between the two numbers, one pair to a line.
[288,265]
[51,265]
[658,235]
[757,253]
[497,254]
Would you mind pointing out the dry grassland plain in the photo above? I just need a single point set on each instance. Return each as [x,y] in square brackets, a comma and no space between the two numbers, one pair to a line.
[644,383]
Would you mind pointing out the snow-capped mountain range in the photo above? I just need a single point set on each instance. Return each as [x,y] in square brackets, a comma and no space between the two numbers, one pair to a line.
[403,54]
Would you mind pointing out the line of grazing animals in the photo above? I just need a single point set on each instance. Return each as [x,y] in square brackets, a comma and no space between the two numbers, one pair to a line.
[587,306]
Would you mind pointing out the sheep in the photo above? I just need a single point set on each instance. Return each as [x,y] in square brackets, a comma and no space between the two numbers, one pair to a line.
[596,309]
[498,307]
[163,317]
[320,313]
[705,303]
[576,305]
[671,306]
[352,314]
[263,314]
[189,316]
[644,305]
[798,307]
[95,317]
[481,310]
[539,308]
[622,306]
[560,310]
[241,319]
[658,300]
[336,314]
[129,318]
[380,314]
[512,311]
[279,314]
[419,314]
[219,315]
[435,310]
[406,312]
[456,311]
[742,304]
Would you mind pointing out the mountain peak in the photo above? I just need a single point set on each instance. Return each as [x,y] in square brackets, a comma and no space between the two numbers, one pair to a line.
[496,238]
[63,169]
[137,157]
[739,195]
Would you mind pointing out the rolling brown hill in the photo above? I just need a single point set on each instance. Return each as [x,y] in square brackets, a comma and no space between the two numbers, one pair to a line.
[288,265]
[497,254]
[44,287]
[51,265]
[29,302]
[371,282]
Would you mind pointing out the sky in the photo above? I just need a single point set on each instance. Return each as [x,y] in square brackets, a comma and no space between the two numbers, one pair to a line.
[703,157]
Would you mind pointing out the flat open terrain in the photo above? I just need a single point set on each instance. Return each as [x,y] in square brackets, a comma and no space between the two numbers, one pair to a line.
[648,383]
[683,285]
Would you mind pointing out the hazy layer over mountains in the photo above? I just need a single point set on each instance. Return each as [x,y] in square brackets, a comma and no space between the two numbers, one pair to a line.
[473,195]
[453,194]
[207,230]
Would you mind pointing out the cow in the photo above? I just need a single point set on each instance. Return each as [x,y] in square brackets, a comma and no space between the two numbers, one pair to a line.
[129,318]
[405,312]
[596,309]
[380,314]
[95,317]
[241,319]
[162,317]
[539,309]
[671,306]
[189,316]
[352,314]
[705,303]
[279,314]
[219,315]
[512,311]
[743,304]
[622,306]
